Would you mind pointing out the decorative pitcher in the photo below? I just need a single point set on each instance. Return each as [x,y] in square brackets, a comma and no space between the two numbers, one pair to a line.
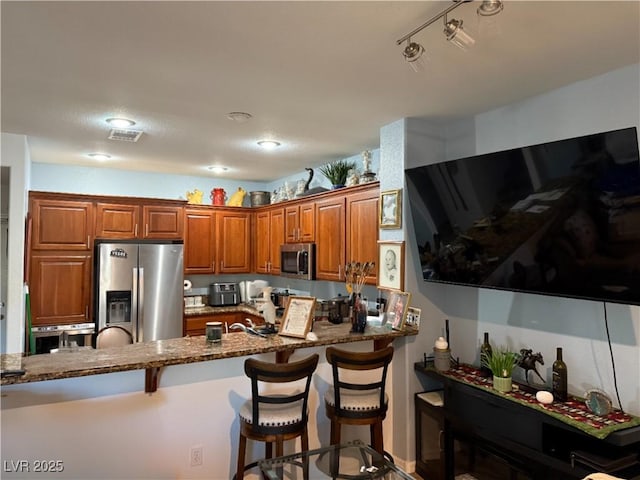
[218,196]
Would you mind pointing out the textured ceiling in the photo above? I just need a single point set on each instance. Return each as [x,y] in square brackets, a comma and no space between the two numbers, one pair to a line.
[320,77]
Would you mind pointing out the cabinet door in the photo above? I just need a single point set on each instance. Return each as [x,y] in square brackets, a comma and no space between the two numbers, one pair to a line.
[362,229]
[262,241]
[119,221]
[61,224]
[199,241]
[307,222]
[330,239]
[60,289]
[232,235]
[300,223]
[276,238]
[163,222]
[291,223]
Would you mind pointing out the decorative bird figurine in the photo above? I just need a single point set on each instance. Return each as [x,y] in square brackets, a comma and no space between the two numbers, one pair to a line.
[306,185]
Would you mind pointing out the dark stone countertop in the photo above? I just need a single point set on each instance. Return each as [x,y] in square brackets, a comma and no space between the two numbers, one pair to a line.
[177,351]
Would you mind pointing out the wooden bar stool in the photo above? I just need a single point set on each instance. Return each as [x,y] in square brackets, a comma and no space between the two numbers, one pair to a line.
[274,418]
[351,403]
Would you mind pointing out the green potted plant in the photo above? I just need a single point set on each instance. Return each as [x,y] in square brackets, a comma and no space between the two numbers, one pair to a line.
[501,362]
[337,172]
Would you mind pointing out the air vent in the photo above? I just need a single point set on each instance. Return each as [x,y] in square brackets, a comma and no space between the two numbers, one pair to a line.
[125,135]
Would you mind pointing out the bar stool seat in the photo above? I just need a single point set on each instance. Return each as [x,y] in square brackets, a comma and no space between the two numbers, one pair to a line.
[274,417]
[353,402]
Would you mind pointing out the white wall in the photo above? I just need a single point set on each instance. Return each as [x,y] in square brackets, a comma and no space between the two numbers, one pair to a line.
[543,323]
[15,155]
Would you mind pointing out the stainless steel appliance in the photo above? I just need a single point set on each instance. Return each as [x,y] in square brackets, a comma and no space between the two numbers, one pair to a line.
[222,294]
[140,286]
[297,260]
[50,338]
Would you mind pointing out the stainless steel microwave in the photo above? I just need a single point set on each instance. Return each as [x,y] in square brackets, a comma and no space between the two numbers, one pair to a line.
[298,260]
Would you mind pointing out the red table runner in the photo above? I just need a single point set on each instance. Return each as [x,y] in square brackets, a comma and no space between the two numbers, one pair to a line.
[573,412]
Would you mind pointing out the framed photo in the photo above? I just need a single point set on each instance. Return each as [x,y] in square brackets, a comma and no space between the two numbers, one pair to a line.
[413,317]
[391,265]
[391,209]
[397,305]
[297,318]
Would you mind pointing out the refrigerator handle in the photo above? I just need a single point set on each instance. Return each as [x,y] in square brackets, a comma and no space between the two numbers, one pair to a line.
[134,304]
[140,304]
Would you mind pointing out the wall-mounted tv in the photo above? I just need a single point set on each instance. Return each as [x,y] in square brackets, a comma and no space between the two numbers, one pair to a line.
[559,218]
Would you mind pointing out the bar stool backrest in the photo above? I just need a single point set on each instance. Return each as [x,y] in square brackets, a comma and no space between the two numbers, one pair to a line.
[113,336]
[342,359]
[267,372]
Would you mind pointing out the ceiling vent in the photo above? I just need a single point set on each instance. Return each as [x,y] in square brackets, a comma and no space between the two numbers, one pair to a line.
[125,135]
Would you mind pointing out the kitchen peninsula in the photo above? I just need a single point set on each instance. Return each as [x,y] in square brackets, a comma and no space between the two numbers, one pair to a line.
[151,356]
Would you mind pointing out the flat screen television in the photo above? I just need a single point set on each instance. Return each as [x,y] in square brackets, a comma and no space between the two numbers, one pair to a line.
[559,218]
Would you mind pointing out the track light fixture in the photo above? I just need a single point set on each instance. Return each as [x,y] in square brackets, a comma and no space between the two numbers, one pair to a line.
[456,34]
[452,29]
[412,54]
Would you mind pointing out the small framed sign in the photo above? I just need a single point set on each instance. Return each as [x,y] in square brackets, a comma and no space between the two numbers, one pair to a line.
[297,318]
[391,209]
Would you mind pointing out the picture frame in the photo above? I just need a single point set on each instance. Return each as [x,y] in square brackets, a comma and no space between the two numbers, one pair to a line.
[397,306]
[390,274]
[298,315]
[390,209]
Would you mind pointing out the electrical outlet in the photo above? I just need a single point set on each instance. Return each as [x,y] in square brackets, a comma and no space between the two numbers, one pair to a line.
[196,456]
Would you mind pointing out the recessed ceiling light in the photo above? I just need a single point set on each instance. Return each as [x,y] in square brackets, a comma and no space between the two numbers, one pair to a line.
[217,168]
[120,122]
[269,144]
[100,156]
[239,117]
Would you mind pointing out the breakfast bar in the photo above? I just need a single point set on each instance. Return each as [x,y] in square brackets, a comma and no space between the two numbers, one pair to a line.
[152,356]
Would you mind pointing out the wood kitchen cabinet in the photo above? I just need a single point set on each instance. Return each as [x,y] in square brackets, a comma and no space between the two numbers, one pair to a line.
[217,240]
[117,220]
[162,222]
[60,288]
[139,221]
[362,229]
[269,235]
[300,222]
[196,325]
[347,231]
[330,239]
[61,224]
[199,241]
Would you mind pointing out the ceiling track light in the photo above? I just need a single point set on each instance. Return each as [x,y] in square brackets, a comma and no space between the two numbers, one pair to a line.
[453,28]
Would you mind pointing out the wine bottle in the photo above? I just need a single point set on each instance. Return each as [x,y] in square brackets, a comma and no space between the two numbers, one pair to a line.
[559,372]
[485,351]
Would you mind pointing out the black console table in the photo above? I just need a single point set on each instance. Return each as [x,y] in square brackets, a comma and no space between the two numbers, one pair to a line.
[474,431]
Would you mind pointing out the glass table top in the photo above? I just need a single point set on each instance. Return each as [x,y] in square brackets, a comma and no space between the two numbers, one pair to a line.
[353,460]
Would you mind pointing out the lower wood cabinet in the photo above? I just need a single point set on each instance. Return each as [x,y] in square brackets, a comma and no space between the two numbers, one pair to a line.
[196,324]
[60,288]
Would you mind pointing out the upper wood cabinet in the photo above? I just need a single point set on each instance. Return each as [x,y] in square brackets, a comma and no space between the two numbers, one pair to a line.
[60,224]
[199,241]
[217,240]
[233,235]
[117,221]
[362,229]
[300,222]
[135,220]
[269,235]
[162,221]
[330,238]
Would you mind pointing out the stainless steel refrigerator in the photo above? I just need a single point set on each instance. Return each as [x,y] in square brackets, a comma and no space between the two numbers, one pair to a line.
[140,286]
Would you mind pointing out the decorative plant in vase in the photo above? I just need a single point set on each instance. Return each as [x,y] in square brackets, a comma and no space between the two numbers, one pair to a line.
[337,172]
[501,362]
